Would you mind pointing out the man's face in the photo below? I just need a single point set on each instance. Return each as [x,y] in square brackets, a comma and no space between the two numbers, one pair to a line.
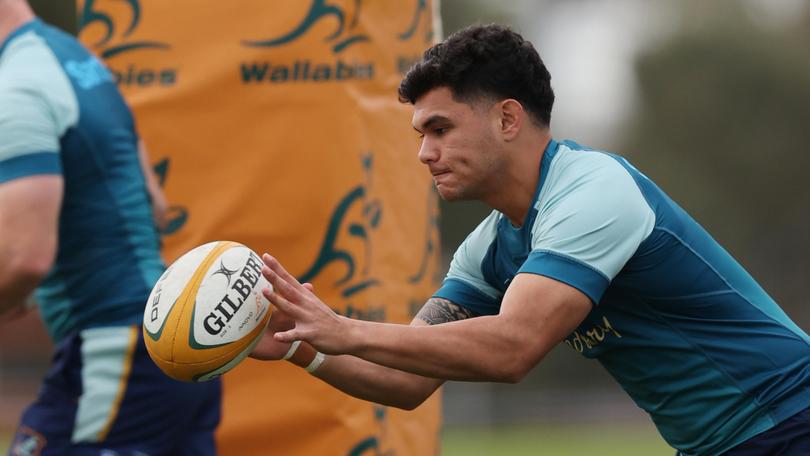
[459,144]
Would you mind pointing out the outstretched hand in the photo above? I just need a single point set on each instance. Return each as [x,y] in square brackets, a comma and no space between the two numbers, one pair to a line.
[313,321]
[268,348]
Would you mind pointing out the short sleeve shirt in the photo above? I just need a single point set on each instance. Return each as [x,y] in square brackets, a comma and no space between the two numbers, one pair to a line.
[683,328]
[61,114]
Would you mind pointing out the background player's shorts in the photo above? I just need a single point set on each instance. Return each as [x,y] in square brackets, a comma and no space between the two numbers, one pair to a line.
[105,396]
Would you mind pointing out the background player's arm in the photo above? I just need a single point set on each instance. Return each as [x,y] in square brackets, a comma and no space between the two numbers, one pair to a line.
[536,314]
[160,206]
[372,382]
[38,107]
[29,215]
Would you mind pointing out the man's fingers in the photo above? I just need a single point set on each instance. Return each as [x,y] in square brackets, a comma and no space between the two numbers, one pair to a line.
[279,301]
[308,286]
[281,286]
[276,266]
[286,336]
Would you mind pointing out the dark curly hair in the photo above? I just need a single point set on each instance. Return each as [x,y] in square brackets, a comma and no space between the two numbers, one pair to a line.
[484,61]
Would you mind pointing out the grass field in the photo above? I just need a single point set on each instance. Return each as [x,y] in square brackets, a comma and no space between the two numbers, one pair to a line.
[556,440]
[539,440]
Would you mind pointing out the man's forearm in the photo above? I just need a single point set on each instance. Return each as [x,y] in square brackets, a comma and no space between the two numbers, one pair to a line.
[29,213]
[476,349]
[371,382]
[14,295]
[16,284]
[500,348]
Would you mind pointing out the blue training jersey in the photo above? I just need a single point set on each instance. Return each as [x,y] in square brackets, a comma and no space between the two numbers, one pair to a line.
[61,113]
[685,330]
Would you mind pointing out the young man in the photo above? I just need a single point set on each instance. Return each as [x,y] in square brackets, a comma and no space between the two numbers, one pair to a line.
[581,247]
[76,220]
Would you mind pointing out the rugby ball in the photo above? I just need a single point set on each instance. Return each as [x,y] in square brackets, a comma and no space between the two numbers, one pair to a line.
[207,311]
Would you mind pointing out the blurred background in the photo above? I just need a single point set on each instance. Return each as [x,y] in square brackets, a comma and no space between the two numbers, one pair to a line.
[709,99]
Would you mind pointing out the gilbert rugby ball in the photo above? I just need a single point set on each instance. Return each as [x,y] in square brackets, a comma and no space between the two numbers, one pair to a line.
[206,312]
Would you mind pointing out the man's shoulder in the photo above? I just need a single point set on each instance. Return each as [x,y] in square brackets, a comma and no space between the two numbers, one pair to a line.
[576,168]
[590,186]
[29,64]
[574,162]
[41,99]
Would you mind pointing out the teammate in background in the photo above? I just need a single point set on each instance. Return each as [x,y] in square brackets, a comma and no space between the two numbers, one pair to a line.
[582,248]
[78,221]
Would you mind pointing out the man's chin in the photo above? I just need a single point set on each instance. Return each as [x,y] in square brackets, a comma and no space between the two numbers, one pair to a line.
[450,195]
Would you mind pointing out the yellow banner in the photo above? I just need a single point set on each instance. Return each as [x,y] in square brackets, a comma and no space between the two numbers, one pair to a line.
[276,124]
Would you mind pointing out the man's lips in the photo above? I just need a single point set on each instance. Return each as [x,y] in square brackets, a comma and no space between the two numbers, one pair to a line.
[437,173]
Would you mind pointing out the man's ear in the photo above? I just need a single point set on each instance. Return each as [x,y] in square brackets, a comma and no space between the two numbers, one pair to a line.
[512,116]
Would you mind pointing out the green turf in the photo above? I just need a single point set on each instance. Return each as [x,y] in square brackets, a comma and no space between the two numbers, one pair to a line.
[539,441]
[556,440]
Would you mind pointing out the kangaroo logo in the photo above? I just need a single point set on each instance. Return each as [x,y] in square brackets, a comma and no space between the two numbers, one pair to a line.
[431,245]
[422,19]
[91,15]
[330,252]
[320,9]
[420,14]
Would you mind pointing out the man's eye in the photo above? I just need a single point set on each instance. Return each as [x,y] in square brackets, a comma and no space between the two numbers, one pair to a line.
[440,131]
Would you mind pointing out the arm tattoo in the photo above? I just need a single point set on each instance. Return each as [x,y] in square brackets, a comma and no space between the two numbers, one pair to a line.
[438,310]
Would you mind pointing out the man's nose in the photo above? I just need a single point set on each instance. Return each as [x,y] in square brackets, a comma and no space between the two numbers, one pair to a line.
[427,151]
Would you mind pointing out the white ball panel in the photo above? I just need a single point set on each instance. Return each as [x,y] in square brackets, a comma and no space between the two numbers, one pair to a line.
[230,303]
[170,285]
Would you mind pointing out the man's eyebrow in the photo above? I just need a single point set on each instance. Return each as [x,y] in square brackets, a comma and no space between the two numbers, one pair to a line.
[434,119]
